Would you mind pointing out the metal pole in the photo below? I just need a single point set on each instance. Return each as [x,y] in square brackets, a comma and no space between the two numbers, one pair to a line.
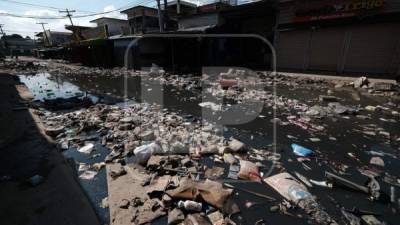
[165,15]
[45,34]
[69,15]
[1,29]
[5,38]
[178,7]
[160,19]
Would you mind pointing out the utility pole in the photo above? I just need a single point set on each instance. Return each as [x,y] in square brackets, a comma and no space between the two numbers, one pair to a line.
[160,17]
[165,16]
[178,7]
[69,15]
[45,34]
[4,36]
[1,29]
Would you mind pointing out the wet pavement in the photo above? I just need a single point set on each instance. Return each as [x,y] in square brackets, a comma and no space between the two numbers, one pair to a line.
[342,135]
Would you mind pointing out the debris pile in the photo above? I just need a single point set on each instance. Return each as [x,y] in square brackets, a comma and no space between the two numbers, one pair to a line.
[186,169]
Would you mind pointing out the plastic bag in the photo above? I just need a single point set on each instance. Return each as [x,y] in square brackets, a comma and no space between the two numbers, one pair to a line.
[249,171]
[144,152]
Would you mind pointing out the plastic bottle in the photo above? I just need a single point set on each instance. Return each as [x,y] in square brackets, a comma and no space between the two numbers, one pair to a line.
[392,194]
[190,205]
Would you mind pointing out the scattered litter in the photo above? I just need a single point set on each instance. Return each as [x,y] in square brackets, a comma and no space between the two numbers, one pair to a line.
[83,167]
[35,180]
[233,171]
[321,183]
[378,161]
[144,152]
[175,216]
[117,173]
[327,98]
[124,204]
[371,220]
[315,139]
[249,171]
[292,190]
[88,175]
[361,82]
[216,218]
[190,205]
[87,149]
[214,173]
[351,218]
[236,146]
[177,152]
[372,189]
[54,131]
[303,179]
[301,151]
[209,191]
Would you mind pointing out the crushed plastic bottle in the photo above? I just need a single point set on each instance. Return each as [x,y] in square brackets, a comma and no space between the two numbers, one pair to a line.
[301,151]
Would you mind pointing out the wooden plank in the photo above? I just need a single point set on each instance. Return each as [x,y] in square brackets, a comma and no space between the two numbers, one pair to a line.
[124,187]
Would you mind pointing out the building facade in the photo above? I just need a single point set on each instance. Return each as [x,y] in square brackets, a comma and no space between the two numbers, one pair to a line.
[112,26]
[15,45]
[142,19]
[54,38]
[340,36]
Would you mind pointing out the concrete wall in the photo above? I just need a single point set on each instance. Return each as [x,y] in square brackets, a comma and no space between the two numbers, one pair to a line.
[198,21]
[288,8]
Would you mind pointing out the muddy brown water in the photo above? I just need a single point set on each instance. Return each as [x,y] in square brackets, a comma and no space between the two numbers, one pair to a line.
[258,134]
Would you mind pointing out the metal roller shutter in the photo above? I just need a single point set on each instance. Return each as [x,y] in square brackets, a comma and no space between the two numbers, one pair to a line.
[372,48]
[292,46]
[326,49]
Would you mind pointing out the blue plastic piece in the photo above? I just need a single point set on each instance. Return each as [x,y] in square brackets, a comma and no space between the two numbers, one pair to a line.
[301,151]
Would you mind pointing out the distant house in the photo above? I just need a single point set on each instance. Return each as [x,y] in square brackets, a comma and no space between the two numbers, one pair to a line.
[223,17]
[54,38]
[17,45]
[82,32]
[142,19]
[112,26]
[179,8]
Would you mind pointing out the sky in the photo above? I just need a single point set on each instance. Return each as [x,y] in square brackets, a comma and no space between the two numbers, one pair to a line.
[50,8]
[28,26]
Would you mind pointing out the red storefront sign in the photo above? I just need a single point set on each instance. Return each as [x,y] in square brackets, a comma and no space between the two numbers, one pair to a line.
[335,9]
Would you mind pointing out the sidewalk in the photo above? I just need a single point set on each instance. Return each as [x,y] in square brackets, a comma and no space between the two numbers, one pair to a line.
[25,152]
[333,77]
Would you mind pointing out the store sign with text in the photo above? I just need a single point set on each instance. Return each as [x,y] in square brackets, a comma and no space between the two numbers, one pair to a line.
[336,9]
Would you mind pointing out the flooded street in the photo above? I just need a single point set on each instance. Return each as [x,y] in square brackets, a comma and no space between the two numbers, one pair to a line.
[342,144]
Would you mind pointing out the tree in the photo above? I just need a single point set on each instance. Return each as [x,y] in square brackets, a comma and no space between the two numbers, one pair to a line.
[15,36]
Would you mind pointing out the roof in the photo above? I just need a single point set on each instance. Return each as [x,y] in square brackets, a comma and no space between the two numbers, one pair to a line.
[199,29]
[107,18]
[70,27]
[39,34]
[137,7]
[242,9]
[53,32]
[185,3]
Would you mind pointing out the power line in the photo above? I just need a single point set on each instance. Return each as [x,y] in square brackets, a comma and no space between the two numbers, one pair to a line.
[115,10]
[69,15]
[32,17]
[78,16]
[18,31]
[39,6]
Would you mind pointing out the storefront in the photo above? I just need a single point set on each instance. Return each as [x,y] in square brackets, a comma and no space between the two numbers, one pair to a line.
[340,36]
